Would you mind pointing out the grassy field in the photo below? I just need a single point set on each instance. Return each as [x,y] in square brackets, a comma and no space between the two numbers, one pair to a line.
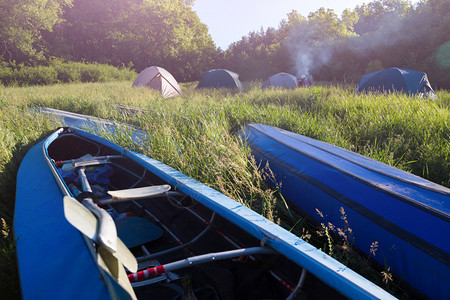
[194,134]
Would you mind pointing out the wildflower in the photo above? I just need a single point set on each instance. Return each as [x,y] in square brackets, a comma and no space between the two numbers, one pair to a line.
[373,247]
[331,226]
[319,213]
[344,216]
[342,233]
[345,247]
[305,235]
[5,229]
[387,276]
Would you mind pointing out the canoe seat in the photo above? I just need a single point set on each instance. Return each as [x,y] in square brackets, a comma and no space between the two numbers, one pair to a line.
[135,194]
[135,231]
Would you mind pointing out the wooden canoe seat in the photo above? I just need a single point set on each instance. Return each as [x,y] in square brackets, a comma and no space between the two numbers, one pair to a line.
[136,193]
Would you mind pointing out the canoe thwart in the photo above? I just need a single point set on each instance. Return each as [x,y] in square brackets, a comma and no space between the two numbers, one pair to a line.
[85,161]
[195,260]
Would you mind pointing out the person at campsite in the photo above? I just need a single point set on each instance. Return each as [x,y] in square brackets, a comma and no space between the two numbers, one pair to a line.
[304,81]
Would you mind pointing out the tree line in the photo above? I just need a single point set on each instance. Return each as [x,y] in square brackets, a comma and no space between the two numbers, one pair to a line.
[168,33]
[373,36]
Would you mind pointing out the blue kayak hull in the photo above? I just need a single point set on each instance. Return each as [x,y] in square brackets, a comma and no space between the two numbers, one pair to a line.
[407,215]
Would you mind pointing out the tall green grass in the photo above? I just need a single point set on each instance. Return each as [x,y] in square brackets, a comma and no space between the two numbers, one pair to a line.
[194,133]
[58,71]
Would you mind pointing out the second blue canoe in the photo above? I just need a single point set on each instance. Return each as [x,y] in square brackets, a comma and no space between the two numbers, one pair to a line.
[407,215]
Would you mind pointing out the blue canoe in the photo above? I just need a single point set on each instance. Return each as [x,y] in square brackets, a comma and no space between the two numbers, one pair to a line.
[85,248]
[92,124]
[407,215]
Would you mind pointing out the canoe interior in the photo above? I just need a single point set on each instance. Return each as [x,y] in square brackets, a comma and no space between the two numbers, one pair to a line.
[183,221]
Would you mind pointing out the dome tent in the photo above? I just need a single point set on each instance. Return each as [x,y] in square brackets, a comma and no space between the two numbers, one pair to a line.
[220,78]
[397,79]
[159,79]
[281,80]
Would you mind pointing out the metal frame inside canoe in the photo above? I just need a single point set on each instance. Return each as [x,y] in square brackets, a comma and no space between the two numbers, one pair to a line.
[53,264]
[408,215]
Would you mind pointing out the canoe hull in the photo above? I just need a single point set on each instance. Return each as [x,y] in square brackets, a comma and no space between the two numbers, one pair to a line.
[406,215]
[41,228]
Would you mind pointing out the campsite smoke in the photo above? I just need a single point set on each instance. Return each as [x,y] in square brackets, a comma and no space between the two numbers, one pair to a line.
[309,54]
[306,54]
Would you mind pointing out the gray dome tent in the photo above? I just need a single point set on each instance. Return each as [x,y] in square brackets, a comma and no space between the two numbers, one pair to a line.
[397,80]
[220,78]
[281,80]
[159,79]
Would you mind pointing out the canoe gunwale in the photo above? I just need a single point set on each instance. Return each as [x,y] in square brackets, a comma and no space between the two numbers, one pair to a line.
[431,186]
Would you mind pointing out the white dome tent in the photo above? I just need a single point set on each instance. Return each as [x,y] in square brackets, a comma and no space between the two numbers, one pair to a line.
[160,79]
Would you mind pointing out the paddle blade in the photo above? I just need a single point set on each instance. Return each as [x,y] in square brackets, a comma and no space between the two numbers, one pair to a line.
[117,271]
[82,219]
[125,256]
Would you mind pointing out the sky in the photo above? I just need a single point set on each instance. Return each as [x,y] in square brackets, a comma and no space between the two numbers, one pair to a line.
[229,20]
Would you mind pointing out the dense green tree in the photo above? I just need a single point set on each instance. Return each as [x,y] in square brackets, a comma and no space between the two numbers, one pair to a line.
[374,14]
[294,18]
[21,23]
[325,26]
[167,33]
[264,53]
[257,56]
[349,20]
[440,59]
